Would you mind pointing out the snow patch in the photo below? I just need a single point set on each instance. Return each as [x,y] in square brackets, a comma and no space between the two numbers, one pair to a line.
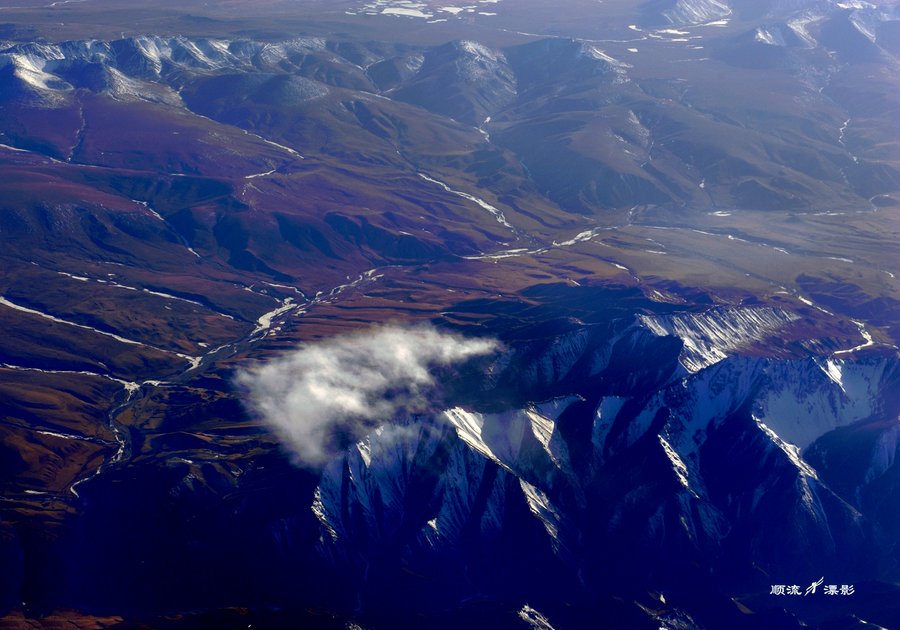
[534,619]
[708,337]
[697,12]
[540,505]
[678,466]
[791,450]
[498,214]
[807,406]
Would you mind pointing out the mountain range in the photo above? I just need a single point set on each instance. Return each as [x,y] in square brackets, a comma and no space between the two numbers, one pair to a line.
[676,222]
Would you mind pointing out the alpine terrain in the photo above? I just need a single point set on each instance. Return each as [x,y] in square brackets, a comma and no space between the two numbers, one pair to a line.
[413,314]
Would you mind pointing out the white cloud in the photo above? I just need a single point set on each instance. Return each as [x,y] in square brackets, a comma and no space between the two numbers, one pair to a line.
[347,384]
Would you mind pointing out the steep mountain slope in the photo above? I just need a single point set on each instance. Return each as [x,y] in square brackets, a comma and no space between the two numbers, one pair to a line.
[599,490]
